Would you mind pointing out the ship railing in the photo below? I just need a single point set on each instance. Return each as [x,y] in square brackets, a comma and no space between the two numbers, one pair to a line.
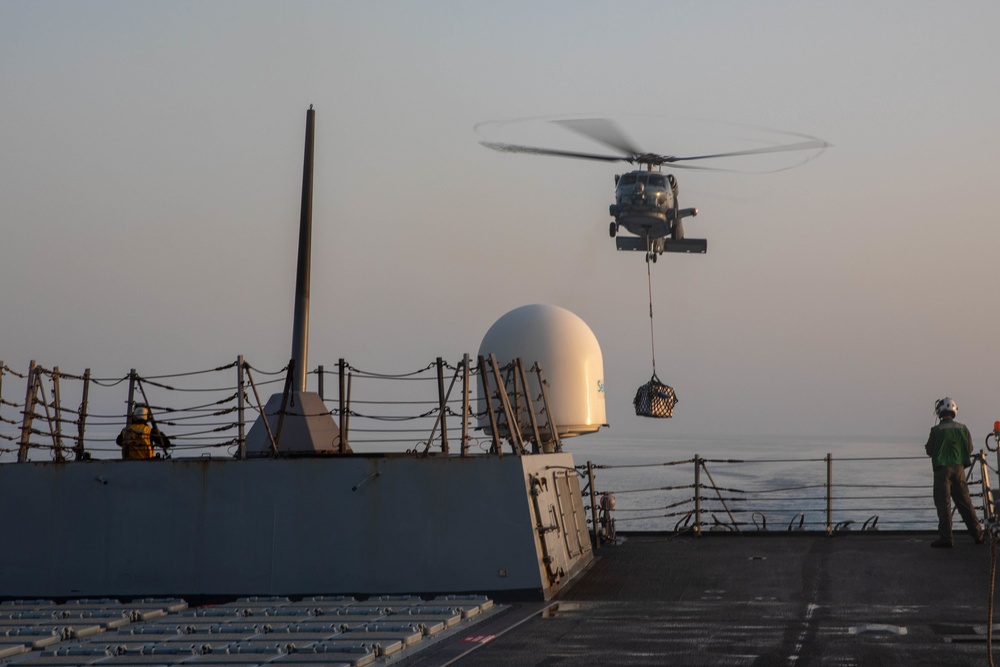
[394,414]
[828,495]
[51,415]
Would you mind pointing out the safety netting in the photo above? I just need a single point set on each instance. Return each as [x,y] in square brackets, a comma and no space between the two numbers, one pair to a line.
[655,399]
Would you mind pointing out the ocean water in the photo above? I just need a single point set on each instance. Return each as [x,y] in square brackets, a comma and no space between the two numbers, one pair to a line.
[757,482]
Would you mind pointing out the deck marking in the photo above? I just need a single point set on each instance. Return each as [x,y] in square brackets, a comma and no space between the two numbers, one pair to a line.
[794,657]
[478,639]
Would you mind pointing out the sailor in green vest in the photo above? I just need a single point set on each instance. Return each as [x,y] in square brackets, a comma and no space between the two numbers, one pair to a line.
[950,445]
[138,439]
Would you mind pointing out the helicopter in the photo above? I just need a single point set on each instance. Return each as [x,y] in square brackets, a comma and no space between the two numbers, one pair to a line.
[646,203]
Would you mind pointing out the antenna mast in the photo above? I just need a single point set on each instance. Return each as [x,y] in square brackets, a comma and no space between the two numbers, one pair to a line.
[300,326]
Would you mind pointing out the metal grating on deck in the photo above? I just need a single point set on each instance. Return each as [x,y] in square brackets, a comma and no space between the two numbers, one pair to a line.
[247,631]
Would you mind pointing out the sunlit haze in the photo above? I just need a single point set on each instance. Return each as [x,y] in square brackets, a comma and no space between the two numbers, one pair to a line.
[151,166]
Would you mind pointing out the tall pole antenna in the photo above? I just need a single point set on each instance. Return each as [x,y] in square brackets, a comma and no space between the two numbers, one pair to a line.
[300,327]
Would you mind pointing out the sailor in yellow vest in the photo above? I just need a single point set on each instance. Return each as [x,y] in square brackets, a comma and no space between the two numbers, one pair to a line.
[138,442]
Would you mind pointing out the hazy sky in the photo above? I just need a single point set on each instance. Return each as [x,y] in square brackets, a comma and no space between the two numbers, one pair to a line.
[151,165]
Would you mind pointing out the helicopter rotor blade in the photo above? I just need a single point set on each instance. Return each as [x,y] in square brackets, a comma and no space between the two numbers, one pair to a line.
[812,144]
[606,132]
[533,150]
[603,131]
[700,168]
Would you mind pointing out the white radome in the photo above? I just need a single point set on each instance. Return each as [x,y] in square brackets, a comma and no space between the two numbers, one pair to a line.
[568,353]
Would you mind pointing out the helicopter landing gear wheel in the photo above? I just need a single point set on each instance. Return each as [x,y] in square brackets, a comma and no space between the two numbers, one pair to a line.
[654,258]
[613,229]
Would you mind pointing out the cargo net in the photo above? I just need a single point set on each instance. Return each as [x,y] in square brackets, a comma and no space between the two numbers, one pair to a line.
[655,399]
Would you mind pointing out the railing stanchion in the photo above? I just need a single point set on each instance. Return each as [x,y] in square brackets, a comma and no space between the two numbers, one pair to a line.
[697,494]
[829,493]
[998,453]
[29,413]
[536,446]
[286,397]
[57,444]
[346,420]
[987,493]
[555,445]
[465,404]
[241,440]
[593,504]
[263,413]
[442,406]
[342,404]
[128,412]
[494,431]
[81,423]
[513,425]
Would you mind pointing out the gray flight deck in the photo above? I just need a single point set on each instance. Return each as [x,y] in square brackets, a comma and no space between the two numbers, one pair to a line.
[760,599]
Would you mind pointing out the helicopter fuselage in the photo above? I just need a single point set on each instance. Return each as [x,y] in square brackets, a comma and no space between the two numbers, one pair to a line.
[646,205]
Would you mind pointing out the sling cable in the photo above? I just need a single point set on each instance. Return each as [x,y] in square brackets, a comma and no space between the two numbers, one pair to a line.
[654,399]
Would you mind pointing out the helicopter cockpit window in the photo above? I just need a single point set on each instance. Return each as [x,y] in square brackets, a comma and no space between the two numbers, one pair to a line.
[628,179]
[657,181]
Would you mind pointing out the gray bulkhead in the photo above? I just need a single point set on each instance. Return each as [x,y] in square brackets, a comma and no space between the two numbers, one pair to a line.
[349,524]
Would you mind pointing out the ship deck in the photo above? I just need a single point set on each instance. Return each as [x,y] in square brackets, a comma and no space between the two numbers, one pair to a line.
[759,599]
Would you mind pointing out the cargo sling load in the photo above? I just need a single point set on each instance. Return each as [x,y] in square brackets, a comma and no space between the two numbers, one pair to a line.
[654,398]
